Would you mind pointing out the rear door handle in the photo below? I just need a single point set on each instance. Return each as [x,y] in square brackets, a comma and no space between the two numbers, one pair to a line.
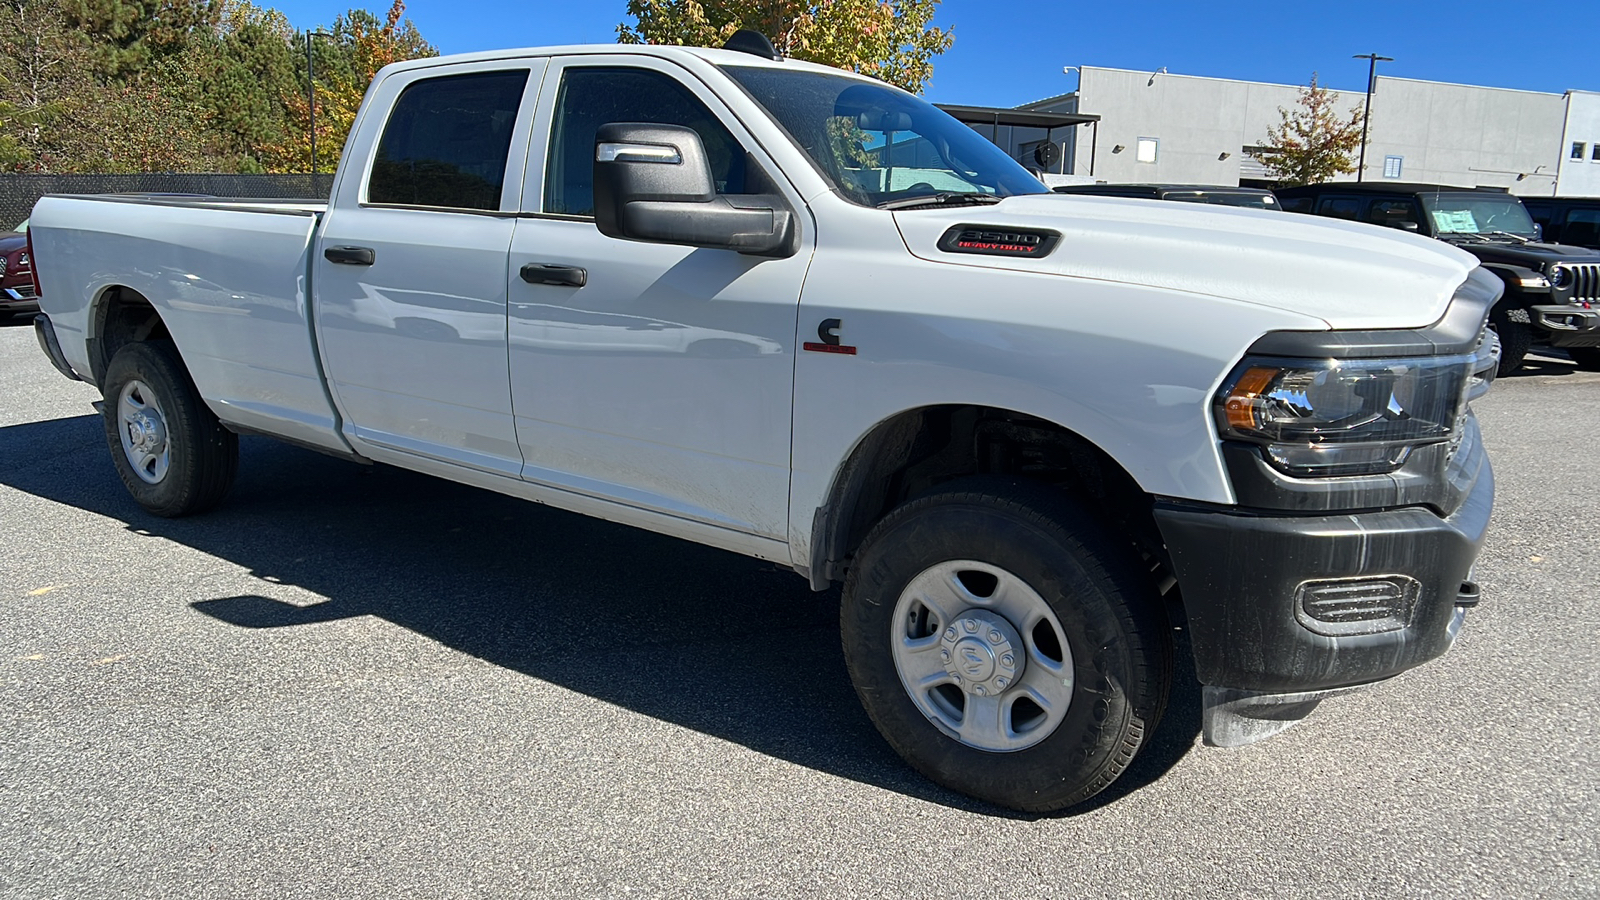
[544,273]
[350,256]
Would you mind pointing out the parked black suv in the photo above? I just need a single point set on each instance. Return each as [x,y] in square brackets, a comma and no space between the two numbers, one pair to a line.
[1219,194]
[1568,220]
[1552,290]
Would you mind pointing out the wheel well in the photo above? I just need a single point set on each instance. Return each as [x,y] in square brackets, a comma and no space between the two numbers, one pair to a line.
[122,316]
[915,451]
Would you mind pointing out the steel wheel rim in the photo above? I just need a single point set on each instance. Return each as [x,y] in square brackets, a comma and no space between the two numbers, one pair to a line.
[142,426]
[952,628]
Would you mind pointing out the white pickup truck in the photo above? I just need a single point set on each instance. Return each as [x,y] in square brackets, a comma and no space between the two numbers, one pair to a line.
[801,315]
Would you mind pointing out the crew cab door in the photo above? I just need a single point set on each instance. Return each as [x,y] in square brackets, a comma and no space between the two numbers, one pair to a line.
[410,264]
[655,375]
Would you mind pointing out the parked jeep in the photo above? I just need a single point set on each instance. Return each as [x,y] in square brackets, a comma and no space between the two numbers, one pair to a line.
[1552,290]
[1216,194]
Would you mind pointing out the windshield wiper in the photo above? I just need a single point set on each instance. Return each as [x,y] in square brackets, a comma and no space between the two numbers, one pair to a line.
[1509,234]
[945,198]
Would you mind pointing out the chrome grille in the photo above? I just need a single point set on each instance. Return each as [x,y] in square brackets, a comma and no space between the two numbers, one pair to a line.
[1585,281]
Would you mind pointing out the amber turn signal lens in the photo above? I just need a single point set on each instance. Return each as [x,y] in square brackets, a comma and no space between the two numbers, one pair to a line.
[1240,405]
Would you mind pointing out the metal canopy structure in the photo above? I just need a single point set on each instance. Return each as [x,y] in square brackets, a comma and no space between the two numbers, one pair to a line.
[996,116]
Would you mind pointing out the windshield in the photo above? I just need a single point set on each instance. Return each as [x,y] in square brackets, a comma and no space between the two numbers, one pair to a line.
[878,144]
[1478,214]
[1251,201]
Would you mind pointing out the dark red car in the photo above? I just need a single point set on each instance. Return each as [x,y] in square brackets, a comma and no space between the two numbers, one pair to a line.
[16,274]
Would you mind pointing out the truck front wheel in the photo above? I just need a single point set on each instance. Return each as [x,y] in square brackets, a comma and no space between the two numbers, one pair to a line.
[1004,646]
[172,454]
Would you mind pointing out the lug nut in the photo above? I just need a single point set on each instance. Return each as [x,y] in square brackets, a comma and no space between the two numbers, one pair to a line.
[1008,661]
[944,655]
[1001,683]
[971,625]
[995,637]
[980,691]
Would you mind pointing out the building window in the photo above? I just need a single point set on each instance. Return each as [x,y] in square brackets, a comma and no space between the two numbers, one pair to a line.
[1391,166]
[1146,151]
[1596,156]
[1577,149]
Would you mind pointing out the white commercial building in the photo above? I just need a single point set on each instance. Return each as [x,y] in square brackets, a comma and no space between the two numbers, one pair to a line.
[1160,127]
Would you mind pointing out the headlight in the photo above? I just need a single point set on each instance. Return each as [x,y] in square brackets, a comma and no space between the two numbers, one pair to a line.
[1324,417]
[1557,276]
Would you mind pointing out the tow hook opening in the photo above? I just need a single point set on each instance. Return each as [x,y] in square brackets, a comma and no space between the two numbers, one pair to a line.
[1469,594]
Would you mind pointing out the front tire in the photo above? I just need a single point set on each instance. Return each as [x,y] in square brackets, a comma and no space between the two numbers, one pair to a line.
[170,451]
[1516,339]
[1004,646]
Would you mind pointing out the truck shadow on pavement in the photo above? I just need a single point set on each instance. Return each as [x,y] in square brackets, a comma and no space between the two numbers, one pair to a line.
[729,646]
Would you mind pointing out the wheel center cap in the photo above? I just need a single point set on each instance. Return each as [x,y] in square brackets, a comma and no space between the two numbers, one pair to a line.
[982,652]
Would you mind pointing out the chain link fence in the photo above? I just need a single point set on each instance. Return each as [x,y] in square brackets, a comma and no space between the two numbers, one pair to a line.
[18,193]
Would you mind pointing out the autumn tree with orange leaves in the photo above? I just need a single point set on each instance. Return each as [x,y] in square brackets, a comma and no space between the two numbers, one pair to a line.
[344,66]
[892,40]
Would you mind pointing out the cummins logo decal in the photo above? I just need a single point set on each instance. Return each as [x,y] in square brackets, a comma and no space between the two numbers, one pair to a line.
[992,240]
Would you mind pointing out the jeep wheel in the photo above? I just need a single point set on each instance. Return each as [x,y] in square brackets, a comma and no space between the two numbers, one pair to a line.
[172,454]
[1516,338]
[1004,646]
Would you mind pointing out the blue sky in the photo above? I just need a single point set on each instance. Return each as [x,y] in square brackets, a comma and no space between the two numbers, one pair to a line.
[1012,57]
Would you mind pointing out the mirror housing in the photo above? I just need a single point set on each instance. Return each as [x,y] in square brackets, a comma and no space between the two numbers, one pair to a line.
[653,183]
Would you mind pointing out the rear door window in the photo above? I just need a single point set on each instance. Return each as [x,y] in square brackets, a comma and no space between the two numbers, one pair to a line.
[446,142]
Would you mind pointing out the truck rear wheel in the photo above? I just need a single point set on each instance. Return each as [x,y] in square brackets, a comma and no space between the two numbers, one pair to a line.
[172,454]
[1003,646]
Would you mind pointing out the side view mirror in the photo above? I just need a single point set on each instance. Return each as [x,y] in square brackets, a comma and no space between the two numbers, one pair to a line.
[653,183]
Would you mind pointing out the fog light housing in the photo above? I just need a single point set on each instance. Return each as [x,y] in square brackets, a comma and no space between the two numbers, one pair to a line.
[1341,607]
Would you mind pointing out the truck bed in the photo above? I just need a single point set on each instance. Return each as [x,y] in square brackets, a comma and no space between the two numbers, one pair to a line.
[230,278]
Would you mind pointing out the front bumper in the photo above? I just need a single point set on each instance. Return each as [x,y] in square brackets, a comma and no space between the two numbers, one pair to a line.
[18,300]
[1567,325]
[1240,573]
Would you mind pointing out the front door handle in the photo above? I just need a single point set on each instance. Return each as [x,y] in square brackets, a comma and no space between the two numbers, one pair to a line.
[350,256]
[544,273]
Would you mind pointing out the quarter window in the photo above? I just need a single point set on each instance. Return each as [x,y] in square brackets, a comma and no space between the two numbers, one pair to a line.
[591,97]
[1340,207]
[447,141]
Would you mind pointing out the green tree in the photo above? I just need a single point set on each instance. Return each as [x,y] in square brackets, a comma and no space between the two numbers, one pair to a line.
[129,35]
[893,40]
[1312,143]
[252,71]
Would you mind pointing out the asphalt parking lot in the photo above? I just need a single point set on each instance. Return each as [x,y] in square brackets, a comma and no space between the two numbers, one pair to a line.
[360,682]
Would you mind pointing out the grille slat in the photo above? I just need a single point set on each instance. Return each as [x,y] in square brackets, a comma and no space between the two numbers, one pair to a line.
[1585,281]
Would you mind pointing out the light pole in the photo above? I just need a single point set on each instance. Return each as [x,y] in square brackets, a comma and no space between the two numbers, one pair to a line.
[1366,110]
[311,98]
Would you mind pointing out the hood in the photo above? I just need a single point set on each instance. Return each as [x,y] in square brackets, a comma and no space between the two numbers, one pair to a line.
[1532,255]
[1348,274]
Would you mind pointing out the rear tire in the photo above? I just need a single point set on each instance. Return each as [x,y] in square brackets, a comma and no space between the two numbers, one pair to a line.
[1060,634]
[170,451]
[1587,358]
